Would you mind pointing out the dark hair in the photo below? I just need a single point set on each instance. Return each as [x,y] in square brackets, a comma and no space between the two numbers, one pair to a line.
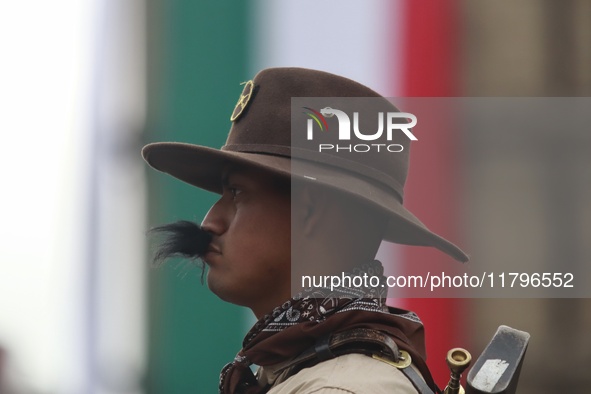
[181,239]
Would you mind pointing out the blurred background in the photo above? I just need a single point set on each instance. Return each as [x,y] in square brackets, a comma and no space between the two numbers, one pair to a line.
[83,85]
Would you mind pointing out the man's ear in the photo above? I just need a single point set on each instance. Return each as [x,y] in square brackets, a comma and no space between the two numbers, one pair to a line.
[310,208]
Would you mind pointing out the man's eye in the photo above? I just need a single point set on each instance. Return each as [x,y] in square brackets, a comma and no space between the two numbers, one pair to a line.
[234,191]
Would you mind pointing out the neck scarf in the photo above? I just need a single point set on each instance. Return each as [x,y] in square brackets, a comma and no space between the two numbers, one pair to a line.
[295,326]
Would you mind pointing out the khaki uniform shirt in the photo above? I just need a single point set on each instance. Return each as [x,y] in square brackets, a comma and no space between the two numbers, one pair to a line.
[351,373]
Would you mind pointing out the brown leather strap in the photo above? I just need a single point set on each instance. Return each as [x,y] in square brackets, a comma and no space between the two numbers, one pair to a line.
[360,340]
[417,381]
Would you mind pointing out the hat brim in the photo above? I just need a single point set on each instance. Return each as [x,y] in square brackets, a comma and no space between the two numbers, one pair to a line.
[202,167]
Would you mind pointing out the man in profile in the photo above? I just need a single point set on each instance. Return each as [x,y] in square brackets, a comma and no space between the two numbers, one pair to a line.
[292,207]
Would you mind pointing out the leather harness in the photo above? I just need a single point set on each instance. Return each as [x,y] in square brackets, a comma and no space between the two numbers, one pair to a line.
[372,343]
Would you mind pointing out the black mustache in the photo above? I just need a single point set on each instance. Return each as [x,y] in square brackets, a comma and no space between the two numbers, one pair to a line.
[180,239]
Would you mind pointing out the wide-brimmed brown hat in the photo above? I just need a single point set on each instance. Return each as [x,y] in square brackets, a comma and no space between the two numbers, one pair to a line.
[261,136]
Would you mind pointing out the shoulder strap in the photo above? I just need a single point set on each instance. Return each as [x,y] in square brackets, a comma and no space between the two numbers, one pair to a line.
[372,343]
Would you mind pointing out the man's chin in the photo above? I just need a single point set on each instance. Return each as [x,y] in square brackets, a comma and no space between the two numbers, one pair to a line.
[222,290]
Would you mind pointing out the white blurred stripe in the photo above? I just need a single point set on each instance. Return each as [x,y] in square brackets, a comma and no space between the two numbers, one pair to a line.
[72,196]
[352,38]
[45,124]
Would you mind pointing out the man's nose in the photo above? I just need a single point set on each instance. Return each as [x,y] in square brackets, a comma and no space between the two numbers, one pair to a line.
[215,221]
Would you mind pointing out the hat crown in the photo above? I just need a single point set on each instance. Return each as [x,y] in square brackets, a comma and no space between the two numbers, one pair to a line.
[266,125]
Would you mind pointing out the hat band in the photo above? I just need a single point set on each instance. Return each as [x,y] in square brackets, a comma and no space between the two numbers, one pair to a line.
[330,160]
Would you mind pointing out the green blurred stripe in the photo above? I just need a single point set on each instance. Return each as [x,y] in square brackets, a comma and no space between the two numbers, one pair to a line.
[197,56]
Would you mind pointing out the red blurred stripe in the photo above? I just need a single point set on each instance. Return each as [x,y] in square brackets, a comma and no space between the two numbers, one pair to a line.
[430,68]
[431,48]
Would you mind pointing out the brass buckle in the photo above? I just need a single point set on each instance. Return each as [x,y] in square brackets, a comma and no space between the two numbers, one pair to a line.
[404,360]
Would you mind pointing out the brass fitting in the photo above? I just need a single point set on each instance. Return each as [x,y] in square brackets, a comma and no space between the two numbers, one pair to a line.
[458,360]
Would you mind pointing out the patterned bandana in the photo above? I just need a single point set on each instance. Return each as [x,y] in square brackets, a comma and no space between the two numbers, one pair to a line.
[296,325]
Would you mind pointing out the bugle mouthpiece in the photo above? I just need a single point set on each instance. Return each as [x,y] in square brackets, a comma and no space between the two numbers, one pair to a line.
[458,360]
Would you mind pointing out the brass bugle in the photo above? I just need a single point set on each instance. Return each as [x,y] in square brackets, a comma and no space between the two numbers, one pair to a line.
[458,360]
